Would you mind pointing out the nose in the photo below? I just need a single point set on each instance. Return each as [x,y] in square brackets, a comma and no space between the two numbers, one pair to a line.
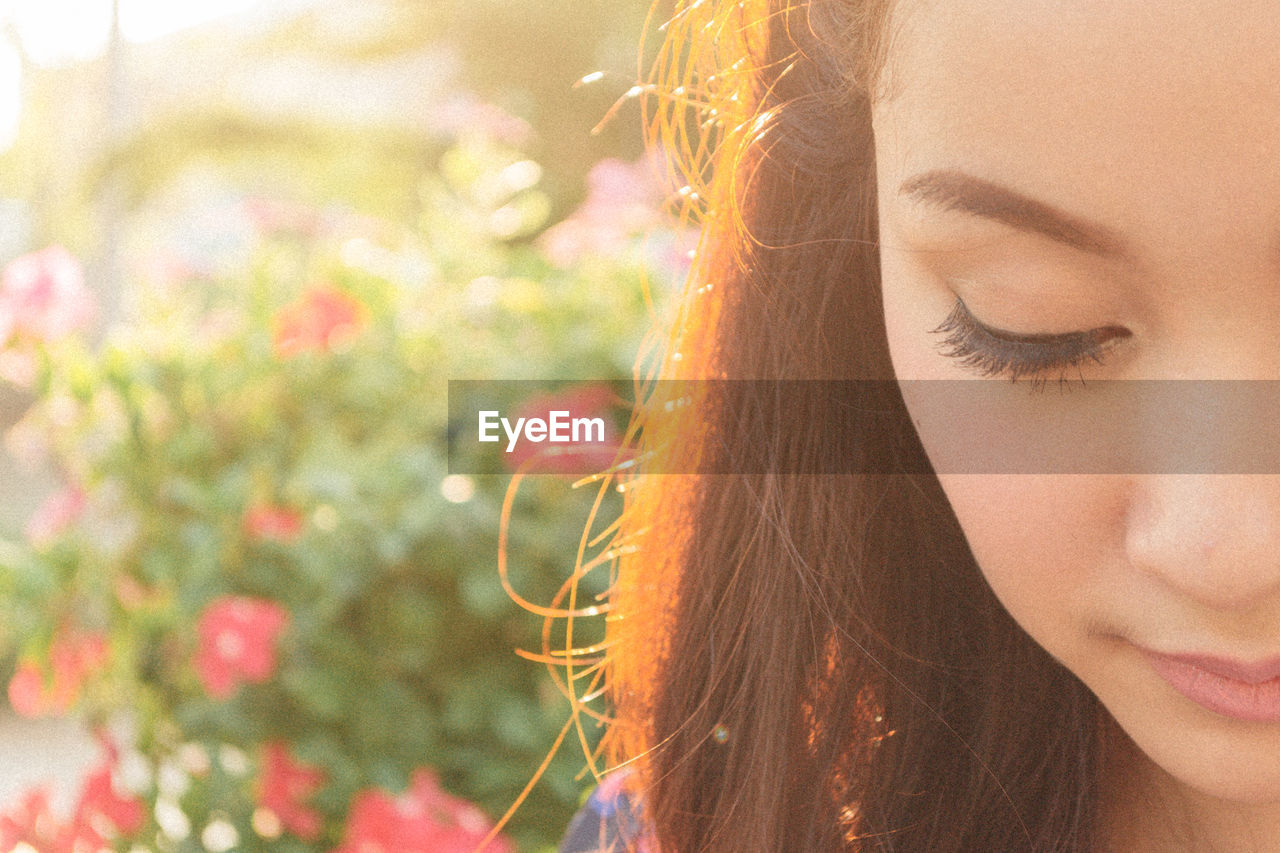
[1214,538]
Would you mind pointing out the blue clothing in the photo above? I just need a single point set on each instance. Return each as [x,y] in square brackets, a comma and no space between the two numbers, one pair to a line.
[608,822]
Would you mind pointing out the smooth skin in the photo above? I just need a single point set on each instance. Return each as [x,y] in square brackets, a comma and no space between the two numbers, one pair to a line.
[1134,148]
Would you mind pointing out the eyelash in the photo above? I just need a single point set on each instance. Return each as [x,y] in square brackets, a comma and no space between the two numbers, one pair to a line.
[989,352]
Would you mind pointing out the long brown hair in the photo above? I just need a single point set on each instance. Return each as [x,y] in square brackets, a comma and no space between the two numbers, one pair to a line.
[814,662]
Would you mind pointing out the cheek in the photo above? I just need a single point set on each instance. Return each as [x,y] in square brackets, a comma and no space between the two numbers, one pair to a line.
[1050,546]
[1043,543]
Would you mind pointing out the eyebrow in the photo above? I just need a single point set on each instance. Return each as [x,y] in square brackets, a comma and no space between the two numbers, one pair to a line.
[954,190]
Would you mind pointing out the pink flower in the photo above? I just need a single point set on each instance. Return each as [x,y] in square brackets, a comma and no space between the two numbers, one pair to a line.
[631,192]
[237,643]
[324,318]
[43,297]
[102,806]
[27,690]
[464,114]
[284,788]
[274,523]
[102,812]
[284,216]
[594,451]
[73,657]
[55,515]
[623,200]
[423,819]
[29,822]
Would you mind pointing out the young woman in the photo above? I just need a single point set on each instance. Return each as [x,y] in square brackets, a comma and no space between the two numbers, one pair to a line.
[943,660]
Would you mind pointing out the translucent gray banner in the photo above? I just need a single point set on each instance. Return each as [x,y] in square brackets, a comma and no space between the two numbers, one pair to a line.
[975,426]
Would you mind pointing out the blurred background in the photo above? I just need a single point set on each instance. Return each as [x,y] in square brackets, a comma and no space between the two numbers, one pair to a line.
[243,604]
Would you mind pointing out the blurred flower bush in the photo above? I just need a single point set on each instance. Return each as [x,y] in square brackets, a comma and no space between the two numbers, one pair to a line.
[259,583]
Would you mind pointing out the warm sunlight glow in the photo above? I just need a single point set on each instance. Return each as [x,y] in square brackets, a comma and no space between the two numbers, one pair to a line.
[60,32]
[10,95]
[55,32]
[144,20]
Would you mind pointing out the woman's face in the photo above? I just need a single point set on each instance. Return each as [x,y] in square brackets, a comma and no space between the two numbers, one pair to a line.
[1109,167]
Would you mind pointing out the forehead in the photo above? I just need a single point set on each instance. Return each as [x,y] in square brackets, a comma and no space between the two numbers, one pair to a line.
[1160,118]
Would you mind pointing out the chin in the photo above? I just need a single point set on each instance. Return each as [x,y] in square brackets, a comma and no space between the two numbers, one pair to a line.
[1242,783]
[1202,753]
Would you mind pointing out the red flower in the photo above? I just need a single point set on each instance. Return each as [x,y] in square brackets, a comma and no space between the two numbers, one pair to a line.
[53,516]
[29,822]
[284,788]
[101,813]
[322,319]
[43,297]
[73,657]
[101,806]
[594,451]
[237,643]
[27,691]
[274,523]
[423,819]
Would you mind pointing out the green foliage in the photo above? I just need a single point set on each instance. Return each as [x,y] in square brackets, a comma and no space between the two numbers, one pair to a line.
[279,437]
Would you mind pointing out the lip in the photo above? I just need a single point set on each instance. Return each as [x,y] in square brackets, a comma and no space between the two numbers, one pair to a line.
[1241,690]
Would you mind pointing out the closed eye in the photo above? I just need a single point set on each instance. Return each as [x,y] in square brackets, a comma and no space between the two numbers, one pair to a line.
[992,352]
